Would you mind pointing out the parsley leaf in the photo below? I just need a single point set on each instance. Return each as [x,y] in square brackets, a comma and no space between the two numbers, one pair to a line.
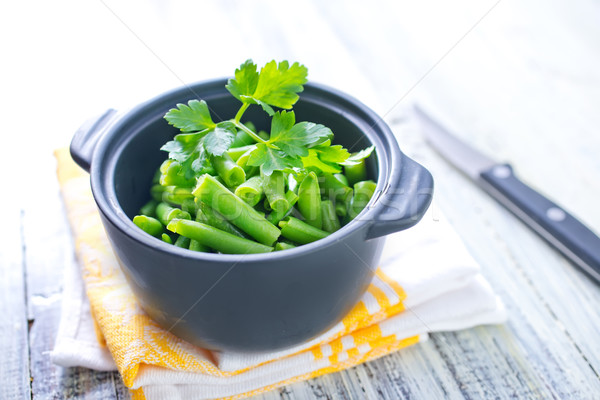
[191,118]
[245,81]
[312,160]
[293,138]
[220,139]
[358,157]
[188,150]
[270,159]
[276,85]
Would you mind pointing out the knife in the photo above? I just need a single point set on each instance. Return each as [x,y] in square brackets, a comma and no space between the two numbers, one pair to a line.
[552,222]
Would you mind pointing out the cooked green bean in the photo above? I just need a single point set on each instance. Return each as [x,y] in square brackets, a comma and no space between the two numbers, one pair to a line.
[231,173]
[149,208]
[333,188]
[275,216]
[177,195]
[234,209]
[183,242]
[242,138]
[299,231]
[156,191]
[217,239]
[171,174]
[165,213]
[331,223]
[166,238]
[149,225]
[363,191]
[309,200]
[283,246]
[207,215]
[251,191]
[342,178]
[236,152]
[356,173]
[196,246]
[341,209]
[274,187]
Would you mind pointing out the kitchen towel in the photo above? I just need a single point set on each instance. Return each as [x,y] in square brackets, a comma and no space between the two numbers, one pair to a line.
[426,282]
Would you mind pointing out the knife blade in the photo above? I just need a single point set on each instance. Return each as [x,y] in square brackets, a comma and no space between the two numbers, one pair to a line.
[552,222]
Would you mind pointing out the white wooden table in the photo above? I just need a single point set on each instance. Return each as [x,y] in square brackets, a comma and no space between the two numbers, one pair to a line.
[520,80]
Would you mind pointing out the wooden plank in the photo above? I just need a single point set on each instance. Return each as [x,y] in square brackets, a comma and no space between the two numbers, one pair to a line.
[14,363]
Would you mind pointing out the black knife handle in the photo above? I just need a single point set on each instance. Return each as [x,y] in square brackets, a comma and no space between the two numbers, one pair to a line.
[553,223]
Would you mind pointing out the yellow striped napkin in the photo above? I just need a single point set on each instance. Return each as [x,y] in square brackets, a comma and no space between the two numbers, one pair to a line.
[155,364]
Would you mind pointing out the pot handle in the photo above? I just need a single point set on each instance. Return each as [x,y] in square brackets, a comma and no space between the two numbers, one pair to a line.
[405,204]
[86,137]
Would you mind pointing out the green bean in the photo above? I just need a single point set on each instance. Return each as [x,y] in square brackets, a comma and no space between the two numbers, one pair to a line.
[156,177]
[341,209]
[171,174]
[300,232]
[283,246]
[165,213]
[183,242]
[264,135]
[149,209]
[251,191]
[231,173]
[331,223]
[334,188]
[190,206]
[242,215]
[236,152]
[177,195]
[148,224]
[275,216]
[363,191]
[207,215]
[166,238]
[156,191]
[274,187]
[217,239]
[196,246]
[242,138]
[356,173]
[342,178]
[309,200]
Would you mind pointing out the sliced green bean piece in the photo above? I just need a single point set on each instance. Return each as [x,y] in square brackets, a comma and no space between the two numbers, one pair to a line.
[172,175]
[231,173]
[283,246]
[341,209]
[242,139]
[235,210]
[300,232]
[331,223]
[333,188]
[275,216]
[165,213]
[356,173]
[166,238]
[149,208]
[251,191]
[363,191]
[236,152]
[274,187]
[309,200]
[149,225]
[207,215]
[156,177]
[156,191]
[197,246]
[215,238]
[183,242]
[342,178]
[177,195]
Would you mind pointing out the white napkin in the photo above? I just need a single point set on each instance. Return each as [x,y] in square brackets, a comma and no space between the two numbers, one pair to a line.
[444,292]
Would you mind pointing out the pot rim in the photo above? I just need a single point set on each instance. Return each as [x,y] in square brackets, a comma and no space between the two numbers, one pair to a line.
[389,160]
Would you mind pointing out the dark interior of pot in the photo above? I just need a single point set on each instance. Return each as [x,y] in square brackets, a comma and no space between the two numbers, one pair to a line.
[141,155]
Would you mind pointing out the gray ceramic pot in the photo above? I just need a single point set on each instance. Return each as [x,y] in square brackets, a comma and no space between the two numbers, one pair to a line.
[257,302]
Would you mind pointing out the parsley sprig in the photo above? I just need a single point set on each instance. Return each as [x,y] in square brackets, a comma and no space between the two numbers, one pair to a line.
[290,147]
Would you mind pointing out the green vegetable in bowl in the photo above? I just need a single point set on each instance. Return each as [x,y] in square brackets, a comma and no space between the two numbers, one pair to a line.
[229,188]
